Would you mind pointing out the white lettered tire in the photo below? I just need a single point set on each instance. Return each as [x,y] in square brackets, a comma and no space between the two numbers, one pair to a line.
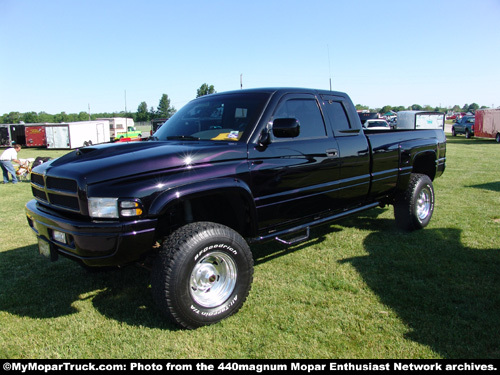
[203,274]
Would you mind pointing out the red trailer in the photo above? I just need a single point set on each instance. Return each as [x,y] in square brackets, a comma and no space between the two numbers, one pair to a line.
[35,135]
[487,124]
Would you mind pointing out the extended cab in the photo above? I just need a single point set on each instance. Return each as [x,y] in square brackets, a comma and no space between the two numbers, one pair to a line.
[228,170]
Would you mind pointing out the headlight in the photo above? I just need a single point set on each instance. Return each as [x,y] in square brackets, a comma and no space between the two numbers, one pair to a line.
[103,208]
[112,208]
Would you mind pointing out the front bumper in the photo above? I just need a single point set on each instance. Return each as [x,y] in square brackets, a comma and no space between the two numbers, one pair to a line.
[94,243]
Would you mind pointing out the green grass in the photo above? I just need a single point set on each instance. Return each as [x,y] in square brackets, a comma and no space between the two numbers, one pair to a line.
[359,289]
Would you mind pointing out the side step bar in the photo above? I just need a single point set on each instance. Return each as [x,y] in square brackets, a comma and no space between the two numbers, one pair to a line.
[295,240]
[280,234]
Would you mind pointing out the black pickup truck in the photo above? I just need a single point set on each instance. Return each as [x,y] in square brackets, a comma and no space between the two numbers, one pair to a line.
[228,170]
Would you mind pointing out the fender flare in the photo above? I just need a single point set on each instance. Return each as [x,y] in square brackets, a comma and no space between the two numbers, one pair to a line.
[163,201]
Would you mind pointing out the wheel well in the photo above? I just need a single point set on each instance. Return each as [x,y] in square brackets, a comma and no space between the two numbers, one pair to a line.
[425,164]
[226,207]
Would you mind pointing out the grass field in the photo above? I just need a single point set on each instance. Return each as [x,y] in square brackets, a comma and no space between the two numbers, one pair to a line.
[359,289]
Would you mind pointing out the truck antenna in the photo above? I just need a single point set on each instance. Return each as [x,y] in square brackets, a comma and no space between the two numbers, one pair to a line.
[329,66]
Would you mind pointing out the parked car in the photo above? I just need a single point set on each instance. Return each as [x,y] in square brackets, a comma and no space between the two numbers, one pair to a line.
[376,124]
[464,126]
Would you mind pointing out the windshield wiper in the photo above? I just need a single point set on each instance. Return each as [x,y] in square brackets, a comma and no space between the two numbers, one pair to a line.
[182,137]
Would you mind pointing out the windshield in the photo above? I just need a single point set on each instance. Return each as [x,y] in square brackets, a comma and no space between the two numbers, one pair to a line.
[372,124]
[214,117]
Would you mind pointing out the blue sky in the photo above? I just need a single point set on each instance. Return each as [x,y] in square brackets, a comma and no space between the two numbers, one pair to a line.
[64,55]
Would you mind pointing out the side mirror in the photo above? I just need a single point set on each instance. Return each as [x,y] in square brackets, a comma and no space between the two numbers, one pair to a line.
[286,128]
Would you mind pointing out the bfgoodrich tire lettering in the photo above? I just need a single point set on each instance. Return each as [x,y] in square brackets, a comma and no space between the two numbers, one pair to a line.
[203,274]
[413,209]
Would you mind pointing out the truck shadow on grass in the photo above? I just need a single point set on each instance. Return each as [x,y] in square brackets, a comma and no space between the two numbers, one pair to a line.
[446,293]
[33,287]
[493,186]
[461,140]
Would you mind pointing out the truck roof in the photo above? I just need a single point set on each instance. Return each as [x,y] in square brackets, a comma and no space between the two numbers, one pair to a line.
[283,90]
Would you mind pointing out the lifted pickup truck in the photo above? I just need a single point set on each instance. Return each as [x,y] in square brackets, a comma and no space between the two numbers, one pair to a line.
[228,170]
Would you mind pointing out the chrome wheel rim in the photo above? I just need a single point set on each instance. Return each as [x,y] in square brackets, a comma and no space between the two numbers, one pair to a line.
[424,203]
[213,279]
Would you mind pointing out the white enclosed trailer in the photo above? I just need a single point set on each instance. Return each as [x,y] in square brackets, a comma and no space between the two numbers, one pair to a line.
[420,120]
[77,134]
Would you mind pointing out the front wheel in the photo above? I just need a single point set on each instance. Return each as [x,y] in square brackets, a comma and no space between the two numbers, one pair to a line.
[413,209]
[203,274]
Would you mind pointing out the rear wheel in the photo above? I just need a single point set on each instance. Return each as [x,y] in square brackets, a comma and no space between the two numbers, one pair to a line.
[413,209]
[467,133]
[203,274]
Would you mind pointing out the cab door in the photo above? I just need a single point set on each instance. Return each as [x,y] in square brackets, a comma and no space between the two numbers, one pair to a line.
[354,151]
[295,177]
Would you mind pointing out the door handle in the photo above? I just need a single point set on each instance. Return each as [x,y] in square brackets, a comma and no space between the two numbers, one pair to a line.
[332,153]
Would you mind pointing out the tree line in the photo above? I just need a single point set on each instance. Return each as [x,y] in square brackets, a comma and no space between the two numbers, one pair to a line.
[143,113]
[166,110]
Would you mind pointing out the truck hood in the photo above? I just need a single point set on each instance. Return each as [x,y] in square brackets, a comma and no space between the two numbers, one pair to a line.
[99,163]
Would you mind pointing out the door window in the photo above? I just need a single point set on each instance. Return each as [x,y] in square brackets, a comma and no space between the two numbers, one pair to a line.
[308,114]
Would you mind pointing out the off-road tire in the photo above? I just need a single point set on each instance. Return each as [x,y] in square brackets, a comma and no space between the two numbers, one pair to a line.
[203,274]
[413,209]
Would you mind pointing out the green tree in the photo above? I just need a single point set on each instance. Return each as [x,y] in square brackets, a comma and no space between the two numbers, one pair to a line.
[165,110]
[473,107]
[45,117]
[386,109]
[83,116]
[205,89]
[30,117]
[61,117]
[142,112]
[12,118]
[416,107]
[152,113]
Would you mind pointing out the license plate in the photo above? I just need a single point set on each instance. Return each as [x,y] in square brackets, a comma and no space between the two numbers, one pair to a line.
[44,248]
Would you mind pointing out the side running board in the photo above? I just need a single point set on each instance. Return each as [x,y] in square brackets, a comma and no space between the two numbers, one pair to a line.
[278,236]
[294,240]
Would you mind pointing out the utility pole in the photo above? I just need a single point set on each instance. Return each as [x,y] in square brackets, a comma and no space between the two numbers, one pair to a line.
[241,81]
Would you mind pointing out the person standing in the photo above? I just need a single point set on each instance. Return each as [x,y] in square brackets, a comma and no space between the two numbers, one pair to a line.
[6,159]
